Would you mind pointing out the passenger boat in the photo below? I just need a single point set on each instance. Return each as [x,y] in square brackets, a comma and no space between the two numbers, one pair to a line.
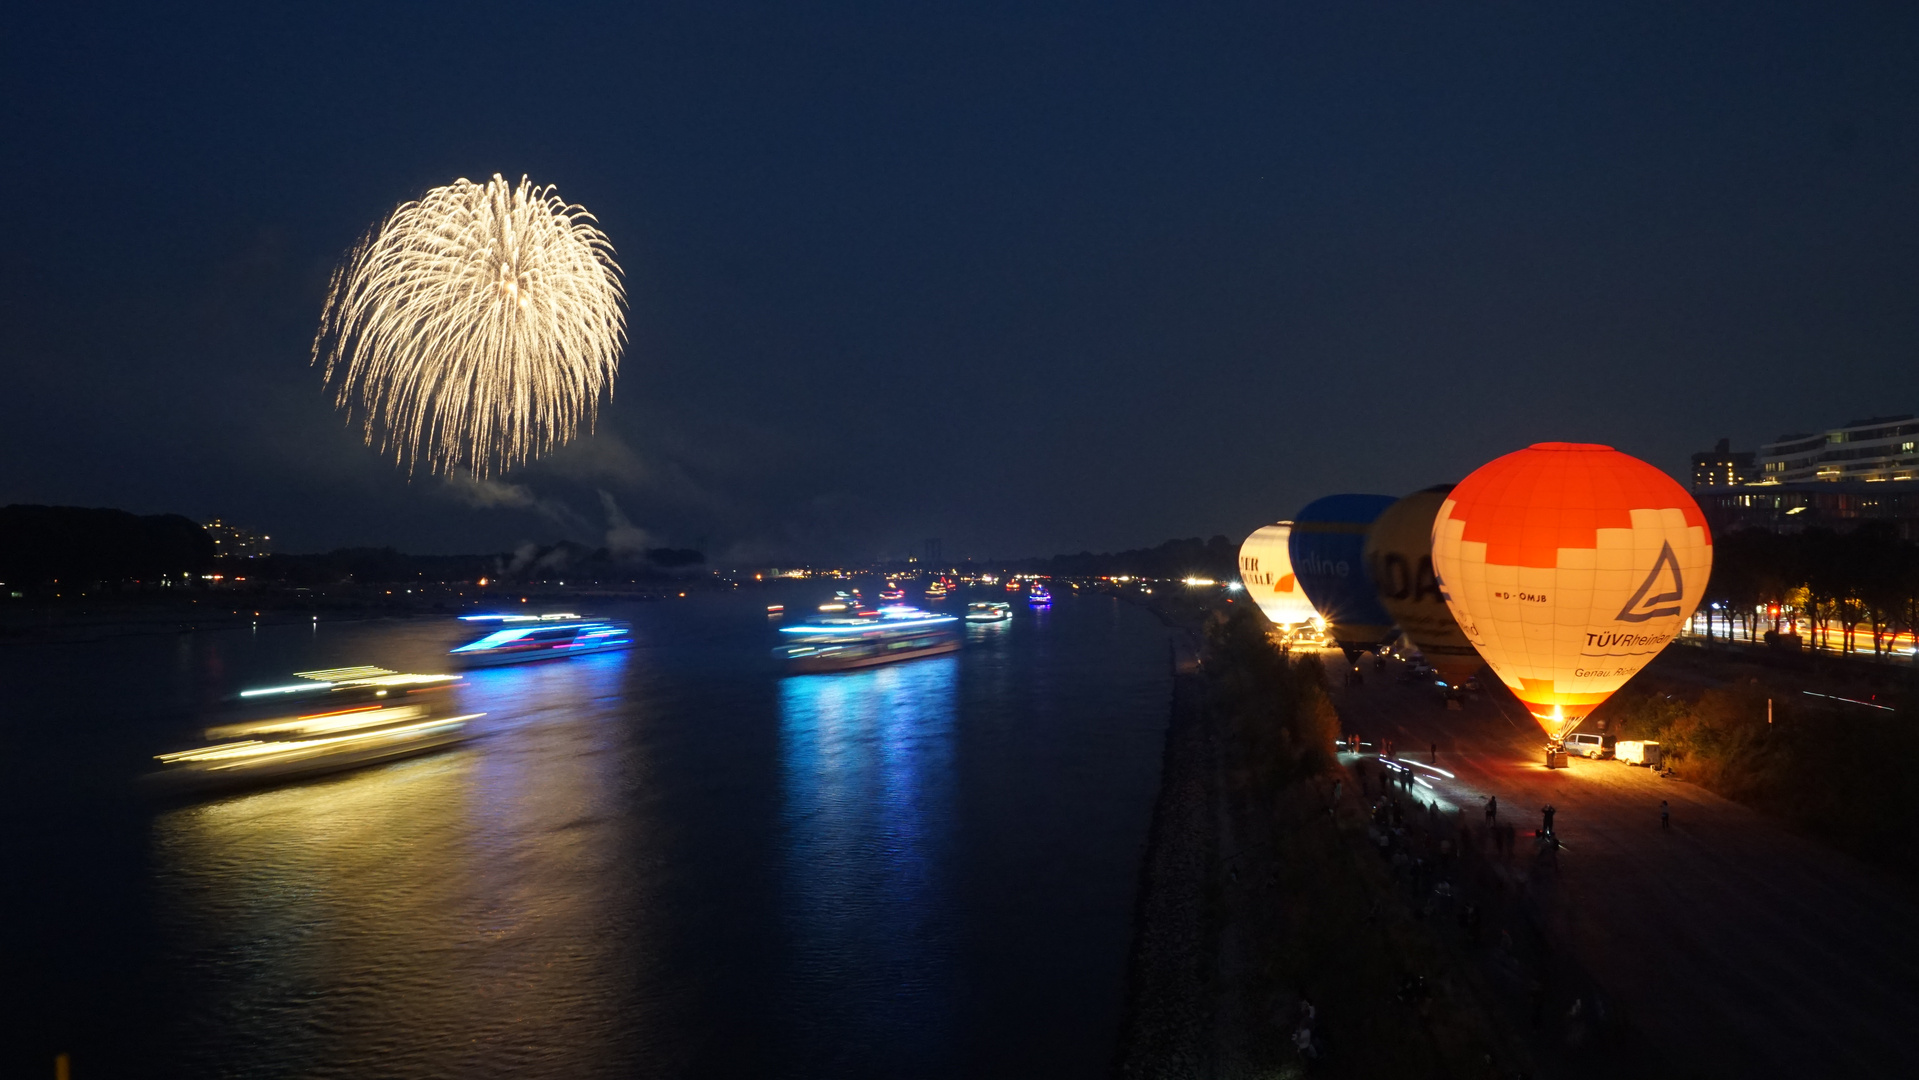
[936,591]
[523,638]
[892,594]
[332,721]
[1040,596]
[984,611]
[1012,584]
[846,644]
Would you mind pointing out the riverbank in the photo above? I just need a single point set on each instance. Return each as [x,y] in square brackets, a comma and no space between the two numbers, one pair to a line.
[1264,907]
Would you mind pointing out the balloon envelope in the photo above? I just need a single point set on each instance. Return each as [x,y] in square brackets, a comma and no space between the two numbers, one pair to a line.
[1399,556]
[1569,566]
[1266,569]
[1327,544]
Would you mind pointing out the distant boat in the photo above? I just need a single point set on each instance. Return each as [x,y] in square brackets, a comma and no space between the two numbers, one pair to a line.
[1039,596]
[936,591]
[892,594]
[847,644]
[1012,584]
[984,611]
[524,638]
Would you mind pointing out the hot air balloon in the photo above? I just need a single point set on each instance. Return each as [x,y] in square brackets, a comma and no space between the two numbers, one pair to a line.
[1399,555]
[1569,566]
[1326,549]
[1266,569]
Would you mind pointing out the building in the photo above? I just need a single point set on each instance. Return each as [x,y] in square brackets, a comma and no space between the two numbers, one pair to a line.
[1837,479]
[1839,505]
[1722,467]
[1880,448]
[230,542]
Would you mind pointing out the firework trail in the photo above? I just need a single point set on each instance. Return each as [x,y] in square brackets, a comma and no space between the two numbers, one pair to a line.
[475,328]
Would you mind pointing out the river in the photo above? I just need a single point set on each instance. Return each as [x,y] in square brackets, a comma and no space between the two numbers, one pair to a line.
[672,861]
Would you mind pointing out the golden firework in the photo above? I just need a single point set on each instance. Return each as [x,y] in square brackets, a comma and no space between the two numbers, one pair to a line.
[476,327]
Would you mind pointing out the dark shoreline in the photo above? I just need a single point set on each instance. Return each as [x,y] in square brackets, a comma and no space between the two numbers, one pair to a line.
[1166,1021]
[1228,944]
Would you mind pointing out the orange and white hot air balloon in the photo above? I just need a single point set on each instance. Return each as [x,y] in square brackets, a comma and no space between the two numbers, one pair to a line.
[1569,566]
[1267,572]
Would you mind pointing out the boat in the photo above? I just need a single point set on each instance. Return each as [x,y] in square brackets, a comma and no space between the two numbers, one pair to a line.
[1012,584]
[332,721]
[936,591]
[844,601]
[844,644]
[985,611]
[892,594]
[523,638]
[1040,596]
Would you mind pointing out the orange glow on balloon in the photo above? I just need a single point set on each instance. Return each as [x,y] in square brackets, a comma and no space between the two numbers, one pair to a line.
[1569,567]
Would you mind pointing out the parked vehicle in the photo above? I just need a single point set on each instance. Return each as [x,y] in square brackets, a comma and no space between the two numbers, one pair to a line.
[1592,746]
[1637,752]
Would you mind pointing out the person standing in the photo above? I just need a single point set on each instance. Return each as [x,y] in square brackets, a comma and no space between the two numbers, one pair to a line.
[1665,817]
[1492,809]
[1548,811]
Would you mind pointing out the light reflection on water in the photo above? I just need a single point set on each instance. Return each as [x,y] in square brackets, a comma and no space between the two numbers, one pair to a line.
[474,897]
[867,769]
[669,862]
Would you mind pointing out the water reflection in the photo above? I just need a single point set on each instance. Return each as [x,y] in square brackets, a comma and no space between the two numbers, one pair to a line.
[869,822]
[461,914]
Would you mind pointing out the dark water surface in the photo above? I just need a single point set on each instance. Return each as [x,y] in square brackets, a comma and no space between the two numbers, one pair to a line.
[672,861]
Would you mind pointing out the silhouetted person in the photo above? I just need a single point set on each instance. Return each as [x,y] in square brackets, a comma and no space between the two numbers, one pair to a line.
[1665,816]
[1548,811]
[1492,809]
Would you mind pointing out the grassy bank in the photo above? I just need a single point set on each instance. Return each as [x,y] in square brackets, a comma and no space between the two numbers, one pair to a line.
[1838,769]
[1263,892]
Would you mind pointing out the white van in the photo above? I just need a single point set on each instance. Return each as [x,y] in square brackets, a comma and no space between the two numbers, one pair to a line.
[1592,746]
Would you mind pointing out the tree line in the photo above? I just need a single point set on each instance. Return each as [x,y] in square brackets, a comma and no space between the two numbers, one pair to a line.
[1835,590]
[82,546]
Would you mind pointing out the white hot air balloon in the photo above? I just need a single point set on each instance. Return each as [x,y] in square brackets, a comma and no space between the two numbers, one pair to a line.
[1267,572]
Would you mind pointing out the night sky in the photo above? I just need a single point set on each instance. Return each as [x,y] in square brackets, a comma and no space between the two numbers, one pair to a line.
[1026,281]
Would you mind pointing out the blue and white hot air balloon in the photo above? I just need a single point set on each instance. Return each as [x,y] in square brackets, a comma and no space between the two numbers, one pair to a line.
[1328,554]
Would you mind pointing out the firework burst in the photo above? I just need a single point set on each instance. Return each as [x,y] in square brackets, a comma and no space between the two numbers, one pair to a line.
[475,328]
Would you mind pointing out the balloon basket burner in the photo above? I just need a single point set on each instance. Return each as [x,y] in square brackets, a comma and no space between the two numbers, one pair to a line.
[1555,757]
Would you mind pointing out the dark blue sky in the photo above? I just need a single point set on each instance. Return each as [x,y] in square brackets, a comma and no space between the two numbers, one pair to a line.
[1026,279]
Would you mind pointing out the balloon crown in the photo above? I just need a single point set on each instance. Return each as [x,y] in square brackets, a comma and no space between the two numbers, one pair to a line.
[1569,446]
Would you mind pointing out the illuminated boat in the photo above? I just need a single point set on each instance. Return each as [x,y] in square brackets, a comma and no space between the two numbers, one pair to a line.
[936,591]
[523,638]
[984,611]
[333,721]
[844,601]
[1040,596]
[892,594]
[845,644]
[1012,584]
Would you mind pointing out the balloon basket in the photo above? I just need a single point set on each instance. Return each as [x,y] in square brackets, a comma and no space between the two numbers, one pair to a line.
[1555,757]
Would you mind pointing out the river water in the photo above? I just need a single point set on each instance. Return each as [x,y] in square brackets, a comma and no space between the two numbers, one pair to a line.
[673,861]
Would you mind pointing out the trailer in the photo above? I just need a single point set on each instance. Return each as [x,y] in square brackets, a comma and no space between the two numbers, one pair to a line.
[1639,752]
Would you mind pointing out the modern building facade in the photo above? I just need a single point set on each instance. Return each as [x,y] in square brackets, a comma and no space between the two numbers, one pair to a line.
[1836,479]
[1881,448]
